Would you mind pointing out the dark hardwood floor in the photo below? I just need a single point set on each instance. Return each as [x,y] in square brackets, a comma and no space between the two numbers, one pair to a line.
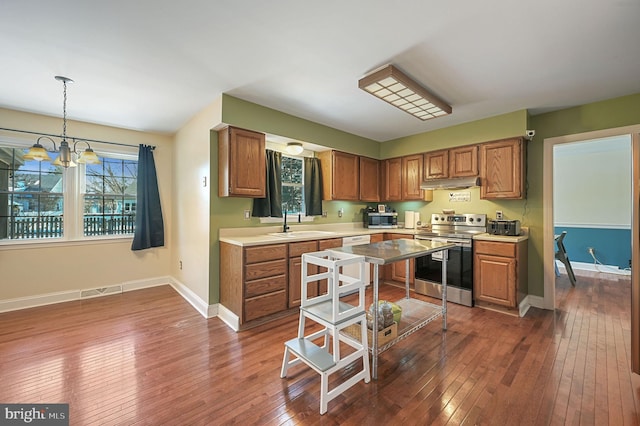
[147,357]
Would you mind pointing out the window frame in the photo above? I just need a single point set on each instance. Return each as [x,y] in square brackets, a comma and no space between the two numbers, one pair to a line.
[73,198]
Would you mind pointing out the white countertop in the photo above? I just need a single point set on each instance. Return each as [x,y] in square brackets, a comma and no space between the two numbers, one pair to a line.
[524,235]
[259,235]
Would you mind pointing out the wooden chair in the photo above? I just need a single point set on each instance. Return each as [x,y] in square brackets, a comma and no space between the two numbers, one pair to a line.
[334,315]
[561,255]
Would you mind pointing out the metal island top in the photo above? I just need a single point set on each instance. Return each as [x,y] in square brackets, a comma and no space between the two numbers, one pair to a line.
[419,312]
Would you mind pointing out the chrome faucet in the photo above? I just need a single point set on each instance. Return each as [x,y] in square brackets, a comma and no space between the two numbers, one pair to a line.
[285,228]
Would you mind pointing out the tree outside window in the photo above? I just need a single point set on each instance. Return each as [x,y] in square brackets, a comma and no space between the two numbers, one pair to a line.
[292,185]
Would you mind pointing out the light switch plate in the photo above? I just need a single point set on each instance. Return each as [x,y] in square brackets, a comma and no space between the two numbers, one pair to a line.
[498,214]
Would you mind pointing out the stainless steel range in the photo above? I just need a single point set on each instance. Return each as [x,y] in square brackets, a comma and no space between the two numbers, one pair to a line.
[458,229]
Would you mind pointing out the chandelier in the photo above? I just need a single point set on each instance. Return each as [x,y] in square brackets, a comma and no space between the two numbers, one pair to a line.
[65,158]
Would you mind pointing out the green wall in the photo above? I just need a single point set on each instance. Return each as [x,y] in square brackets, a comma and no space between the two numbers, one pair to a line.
[227,212]
[612,113]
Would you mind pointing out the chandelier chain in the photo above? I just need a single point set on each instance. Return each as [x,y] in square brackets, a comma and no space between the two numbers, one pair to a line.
[64,111]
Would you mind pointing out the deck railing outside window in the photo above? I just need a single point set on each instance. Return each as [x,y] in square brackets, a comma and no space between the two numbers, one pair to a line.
[28,227]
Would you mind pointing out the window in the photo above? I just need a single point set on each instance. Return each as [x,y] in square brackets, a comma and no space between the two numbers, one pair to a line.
[39,200]
[292,186]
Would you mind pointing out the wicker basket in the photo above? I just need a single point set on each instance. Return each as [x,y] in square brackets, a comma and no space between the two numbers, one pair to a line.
[384,336]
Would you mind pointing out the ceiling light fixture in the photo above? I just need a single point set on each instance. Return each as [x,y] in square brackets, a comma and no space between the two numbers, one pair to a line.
[38,153]
[393,86]
[294,148]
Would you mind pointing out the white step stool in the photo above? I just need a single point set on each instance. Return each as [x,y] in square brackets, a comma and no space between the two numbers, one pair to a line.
[334,315]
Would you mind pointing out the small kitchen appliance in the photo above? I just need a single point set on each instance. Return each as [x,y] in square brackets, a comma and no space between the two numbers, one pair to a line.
[373,218]
[503,227]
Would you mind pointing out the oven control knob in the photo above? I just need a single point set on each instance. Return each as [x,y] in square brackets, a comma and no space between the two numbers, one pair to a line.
[470,219]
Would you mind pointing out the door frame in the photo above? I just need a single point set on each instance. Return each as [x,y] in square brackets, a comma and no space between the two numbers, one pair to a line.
[548,234]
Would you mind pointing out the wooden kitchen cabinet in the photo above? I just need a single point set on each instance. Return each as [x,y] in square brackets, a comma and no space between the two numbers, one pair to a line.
[326,245]
[391,179]
[241,163]
[296,250]
[253,280]
[401,178]
[500,273]
[398,271]
[340,175]
[436,164]
[463,161]
[451,163]
[502,169]
[412,177]
[369,179]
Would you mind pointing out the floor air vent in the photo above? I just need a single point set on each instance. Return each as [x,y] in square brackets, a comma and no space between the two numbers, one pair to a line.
[100,291]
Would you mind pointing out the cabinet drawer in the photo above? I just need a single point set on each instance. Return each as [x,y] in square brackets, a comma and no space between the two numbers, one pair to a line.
[495,248]
[267,304]
[330,243]
[265,269]
[264,253]
[264,286]
[298,249]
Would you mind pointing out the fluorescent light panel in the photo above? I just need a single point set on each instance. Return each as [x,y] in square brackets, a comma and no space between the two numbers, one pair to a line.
[396,88]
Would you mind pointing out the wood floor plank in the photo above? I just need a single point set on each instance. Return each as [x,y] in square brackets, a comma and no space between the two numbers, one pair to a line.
[146,357]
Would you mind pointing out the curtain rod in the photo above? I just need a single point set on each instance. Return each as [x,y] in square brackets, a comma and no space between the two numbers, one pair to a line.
[72,138]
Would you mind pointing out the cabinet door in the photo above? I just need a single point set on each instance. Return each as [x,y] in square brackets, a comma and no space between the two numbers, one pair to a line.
[346,176]
[369,179]
[502,169]
[392,179]
[241,163]
[495,279]
[325,245]
[463,161]
[412,177]
[398,270]
[436,164]
[295,271]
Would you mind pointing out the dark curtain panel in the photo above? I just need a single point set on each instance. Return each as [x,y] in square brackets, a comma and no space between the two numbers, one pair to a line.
[149,224]
[312,187]
[271,206]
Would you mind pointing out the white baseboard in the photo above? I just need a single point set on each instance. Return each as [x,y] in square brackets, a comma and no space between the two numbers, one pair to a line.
[70,295]
[194,300]
[530,301]
[228,317]
[591,270]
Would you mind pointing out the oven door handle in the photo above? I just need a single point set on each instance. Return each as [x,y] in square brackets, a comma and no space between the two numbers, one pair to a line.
[442,254]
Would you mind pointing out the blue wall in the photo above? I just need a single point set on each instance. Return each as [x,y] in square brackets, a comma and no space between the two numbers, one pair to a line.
[612,246]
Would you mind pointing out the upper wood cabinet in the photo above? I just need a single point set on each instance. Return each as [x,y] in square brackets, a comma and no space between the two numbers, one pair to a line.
[241,163]
[412,177]
[391,179]
[463,161]
[451,163]
[502,169]
[436,164]
[369,179]
[340,175]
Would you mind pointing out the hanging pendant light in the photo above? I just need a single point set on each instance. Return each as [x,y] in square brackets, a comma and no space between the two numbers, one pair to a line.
[38,153]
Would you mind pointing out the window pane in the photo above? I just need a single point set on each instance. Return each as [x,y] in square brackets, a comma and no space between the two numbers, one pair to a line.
[110,197]
[292,199]
[31,197]
[291,170]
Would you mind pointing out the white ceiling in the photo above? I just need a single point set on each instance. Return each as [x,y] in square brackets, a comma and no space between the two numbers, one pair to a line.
[152,64]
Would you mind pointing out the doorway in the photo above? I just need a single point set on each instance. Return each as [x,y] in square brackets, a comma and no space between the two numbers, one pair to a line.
[548,224]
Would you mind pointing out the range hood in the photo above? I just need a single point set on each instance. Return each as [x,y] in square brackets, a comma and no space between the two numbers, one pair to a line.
[453,183]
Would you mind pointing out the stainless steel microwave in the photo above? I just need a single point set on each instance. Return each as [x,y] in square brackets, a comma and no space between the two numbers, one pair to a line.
[387,220]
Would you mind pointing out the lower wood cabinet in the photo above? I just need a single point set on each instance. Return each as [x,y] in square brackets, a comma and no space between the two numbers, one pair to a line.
[253,280]
[296,250]
[500,273]
[398,271]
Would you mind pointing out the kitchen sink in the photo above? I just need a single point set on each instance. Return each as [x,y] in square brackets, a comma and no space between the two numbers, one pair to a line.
[302,234]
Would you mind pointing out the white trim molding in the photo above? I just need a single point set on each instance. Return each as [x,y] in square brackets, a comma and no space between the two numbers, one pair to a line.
[194,300]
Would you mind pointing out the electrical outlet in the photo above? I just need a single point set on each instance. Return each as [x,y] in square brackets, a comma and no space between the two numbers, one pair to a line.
[180,265]
[247,214]
[340,212]
[498,214]
[324,213]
